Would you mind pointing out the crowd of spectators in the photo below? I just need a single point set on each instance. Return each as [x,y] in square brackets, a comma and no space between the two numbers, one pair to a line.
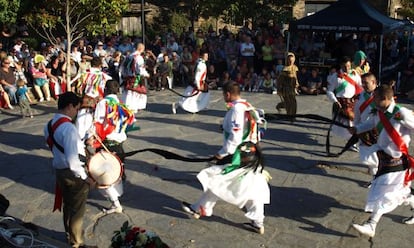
[252,57]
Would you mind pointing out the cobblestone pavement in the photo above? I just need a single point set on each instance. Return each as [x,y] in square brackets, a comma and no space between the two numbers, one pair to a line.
[314,198]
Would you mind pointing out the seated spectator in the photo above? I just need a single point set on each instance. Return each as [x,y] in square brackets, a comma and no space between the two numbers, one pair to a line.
[55,74]
[303,76]
[41,83]
[225,78]
[4,99]
[240,80]
[7,79]
[268,84]
[252,80]
[313,85]
[212,77]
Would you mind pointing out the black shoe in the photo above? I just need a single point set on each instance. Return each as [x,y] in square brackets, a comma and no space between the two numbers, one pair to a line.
[188,209]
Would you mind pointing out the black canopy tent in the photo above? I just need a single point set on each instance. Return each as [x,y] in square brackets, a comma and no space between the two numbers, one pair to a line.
[348,16]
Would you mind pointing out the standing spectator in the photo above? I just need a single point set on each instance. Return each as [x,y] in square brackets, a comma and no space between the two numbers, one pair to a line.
[187,65]
[247,51]
[114,66]
[231,48]
[164,73]
[267,53]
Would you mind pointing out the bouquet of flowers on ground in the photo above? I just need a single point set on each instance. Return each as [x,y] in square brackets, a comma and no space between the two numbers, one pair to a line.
[136,237]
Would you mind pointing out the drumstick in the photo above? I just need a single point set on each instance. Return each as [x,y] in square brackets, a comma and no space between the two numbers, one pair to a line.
[100,141]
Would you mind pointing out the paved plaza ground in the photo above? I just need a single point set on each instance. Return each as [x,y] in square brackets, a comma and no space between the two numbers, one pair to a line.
[314,198]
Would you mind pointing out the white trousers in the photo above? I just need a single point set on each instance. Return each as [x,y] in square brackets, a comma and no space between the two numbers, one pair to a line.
[207,201]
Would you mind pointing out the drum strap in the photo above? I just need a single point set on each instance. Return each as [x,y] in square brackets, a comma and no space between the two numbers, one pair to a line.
[51,129]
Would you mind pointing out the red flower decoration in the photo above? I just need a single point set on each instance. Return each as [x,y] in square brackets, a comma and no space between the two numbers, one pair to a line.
[397,116]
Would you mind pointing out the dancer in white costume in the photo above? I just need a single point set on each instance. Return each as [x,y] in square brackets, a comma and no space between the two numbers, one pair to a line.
[134,73]
[111,132]
[342,91]
[363,111]
[391,187]
[237,176]
[197,96]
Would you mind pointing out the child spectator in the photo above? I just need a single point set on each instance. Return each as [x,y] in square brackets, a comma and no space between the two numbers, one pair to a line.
[24,99]
[253,80]
[279,67]
[268,84]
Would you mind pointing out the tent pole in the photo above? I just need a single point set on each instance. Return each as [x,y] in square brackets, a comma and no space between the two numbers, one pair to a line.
[287,42]
[380,58]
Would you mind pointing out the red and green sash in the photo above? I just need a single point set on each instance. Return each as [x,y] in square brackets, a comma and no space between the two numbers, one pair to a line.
[348,79]
[397,139]
[369,100]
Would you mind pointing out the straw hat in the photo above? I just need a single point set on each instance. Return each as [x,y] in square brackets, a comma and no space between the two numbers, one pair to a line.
[39,58]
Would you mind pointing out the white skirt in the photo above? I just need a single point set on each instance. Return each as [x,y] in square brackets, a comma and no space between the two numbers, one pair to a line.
[134,100]
[114,191]
[195,103]
[236,187]
[387,192]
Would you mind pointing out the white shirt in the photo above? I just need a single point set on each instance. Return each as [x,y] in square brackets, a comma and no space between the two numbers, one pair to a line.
[233,127]
[247,49]
[366,113]
[349,90]
[66,135]
[404,126]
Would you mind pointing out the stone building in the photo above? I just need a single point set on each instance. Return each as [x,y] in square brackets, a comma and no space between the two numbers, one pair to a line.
[305,8]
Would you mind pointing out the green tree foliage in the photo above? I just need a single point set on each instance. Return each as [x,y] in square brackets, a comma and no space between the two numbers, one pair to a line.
[232,11]
[408,9]
[178,22]
[51,18]
[8,11]
[74,19]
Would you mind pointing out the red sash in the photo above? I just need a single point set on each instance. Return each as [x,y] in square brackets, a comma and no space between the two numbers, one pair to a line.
[396,138]
[365,104]
[358,88]
[58,191]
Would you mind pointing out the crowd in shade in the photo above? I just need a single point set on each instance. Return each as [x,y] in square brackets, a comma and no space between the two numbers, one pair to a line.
[253,57]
